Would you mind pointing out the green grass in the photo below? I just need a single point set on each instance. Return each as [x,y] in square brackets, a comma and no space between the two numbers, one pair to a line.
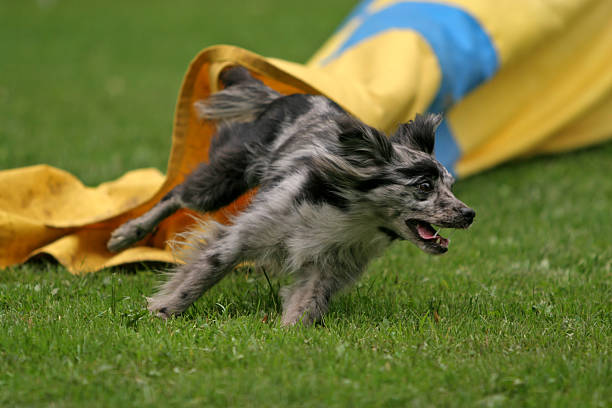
[518,313]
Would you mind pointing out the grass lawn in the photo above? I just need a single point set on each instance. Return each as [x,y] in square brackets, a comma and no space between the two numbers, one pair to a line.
[518,313]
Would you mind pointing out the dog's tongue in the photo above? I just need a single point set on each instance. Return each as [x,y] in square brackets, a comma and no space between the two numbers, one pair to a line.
[426,231]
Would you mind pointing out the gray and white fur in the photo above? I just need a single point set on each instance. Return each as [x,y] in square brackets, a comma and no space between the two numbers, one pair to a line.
[333,194]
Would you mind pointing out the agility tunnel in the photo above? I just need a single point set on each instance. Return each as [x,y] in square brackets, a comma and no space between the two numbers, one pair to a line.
[514,78]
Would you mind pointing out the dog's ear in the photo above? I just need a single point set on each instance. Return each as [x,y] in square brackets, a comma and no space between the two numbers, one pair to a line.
[420,133]
[363,143]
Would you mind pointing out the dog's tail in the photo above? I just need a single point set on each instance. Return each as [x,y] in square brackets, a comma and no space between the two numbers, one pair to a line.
[242,99]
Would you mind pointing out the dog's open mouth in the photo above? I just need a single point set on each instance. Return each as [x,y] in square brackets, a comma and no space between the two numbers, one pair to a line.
[428,234]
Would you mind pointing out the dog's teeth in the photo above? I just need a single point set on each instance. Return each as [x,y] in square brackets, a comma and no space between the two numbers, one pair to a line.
[436,234]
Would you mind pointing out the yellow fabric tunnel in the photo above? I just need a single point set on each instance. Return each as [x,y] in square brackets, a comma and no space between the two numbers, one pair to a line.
[513,78]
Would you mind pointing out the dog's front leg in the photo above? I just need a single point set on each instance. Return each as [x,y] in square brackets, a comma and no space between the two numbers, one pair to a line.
[307,300]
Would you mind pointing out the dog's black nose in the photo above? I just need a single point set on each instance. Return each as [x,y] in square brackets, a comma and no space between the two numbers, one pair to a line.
[468,214]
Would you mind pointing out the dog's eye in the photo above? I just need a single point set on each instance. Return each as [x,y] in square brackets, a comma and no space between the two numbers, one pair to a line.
[425,186]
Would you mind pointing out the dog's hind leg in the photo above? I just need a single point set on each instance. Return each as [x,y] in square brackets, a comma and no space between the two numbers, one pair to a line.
[209,187]
[206,266]
[136,229]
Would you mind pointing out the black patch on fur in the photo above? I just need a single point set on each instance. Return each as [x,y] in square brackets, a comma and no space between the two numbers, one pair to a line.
[390,233]
[424,168]
[214,260]
[364,143]
[218,183]
[372,183]
[285,109]
[318,190]
[184,295]
[420,133]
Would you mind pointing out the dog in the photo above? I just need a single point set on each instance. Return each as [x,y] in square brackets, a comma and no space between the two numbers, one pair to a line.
[333,193]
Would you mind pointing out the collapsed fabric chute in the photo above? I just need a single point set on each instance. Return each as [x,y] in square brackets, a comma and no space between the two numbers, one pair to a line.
[514,78]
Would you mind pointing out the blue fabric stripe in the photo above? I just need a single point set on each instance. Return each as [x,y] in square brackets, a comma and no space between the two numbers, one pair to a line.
[465,53]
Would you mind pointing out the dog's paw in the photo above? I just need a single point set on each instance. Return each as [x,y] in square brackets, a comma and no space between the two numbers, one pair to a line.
[125,235]
[156,307]
[305,319]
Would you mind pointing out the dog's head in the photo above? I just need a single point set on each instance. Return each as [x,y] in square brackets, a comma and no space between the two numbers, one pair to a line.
[408,190]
